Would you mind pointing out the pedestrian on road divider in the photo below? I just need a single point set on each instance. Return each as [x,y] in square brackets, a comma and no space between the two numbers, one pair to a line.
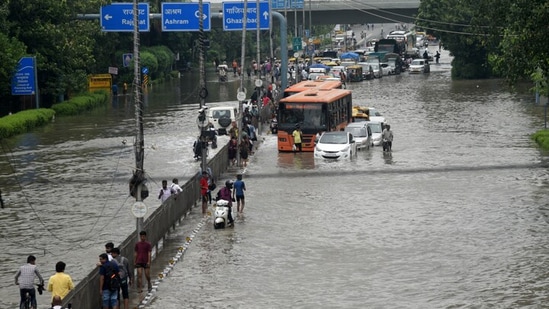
[126,275]
[204,183]
[142,260]
[165,192]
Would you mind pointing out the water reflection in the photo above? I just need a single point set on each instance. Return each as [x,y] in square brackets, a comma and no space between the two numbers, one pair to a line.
[388,157]
[297,161]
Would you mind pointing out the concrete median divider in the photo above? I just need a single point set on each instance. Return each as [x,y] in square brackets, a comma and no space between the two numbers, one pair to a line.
[158,226]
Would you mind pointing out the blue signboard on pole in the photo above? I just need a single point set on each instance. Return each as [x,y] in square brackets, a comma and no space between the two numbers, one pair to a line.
[286,4]
[185,16]
[23,81]
[233,13]
[118,17]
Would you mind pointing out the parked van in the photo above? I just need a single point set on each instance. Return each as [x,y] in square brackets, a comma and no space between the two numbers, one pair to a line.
[361,133]
[222,117]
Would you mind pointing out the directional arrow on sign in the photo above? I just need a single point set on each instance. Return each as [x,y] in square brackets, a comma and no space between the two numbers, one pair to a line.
[118,17]
[197,13]
[184,16]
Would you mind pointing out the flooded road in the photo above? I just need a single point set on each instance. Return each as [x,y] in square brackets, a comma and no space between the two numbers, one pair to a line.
[455,217]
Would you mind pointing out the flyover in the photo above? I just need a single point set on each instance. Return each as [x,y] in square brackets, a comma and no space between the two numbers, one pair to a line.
[318,12]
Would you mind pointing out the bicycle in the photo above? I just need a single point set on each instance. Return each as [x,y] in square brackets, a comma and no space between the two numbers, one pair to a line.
[27,303]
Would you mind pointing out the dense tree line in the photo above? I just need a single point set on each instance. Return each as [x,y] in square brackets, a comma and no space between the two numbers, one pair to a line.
[68,49]
[492,38]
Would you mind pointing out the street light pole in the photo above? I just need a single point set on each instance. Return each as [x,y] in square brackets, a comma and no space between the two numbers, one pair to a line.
[137,185]
[203,91]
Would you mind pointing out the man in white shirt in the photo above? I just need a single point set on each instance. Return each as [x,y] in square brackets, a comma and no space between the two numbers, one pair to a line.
[25,279]
[175,188]
[165,192]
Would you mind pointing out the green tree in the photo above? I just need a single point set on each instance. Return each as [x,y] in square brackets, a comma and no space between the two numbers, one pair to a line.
[525,47]
[470,30]
[62,45]
[12,51]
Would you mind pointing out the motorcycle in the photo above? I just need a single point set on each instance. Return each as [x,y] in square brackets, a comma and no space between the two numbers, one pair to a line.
[387,145]
[274,126]
[198,146]
[221,214]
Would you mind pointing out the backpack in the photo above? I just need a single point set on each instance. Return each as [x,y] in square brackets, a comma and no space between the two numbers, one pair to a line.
[112,278]
[122,273]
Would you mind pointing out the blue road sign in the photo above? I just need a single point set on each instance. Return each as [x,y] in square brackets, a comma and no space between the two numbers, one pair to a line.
[127,59]
[233,13]
[145,70]
[185,16]
[286,4]
[23,81]
[118,17]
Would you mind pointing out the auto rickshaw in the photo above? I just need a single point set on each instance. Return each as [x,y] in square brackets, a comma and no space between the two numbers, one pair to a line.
[354,73]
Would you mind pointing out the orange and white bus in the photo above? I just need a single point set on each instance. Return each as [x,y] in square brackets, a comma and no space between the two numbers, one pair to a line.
[312,84]
[315,111]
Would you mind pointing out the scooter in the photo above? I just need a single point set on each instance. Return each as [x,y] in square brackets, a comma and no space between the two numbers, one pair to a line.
[221,214]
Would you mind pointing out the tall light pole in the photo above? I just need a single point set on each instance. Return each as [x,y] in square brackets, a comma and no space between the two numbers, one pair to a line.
[137,186]
[310,26]
[240,95]
[203,91]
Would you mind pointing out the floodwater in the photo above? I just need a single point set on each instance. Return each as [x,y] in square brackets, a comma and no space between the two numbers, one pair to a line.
[455,217]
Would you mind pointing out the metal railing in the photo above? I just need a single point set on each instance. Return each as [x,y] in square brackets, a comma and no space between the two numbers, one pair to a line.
[158,225]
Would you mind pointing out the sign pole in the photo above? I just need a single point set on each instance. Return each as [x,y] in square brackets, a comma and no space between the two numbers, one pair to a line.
[36,83]
[203,91]
[241,89]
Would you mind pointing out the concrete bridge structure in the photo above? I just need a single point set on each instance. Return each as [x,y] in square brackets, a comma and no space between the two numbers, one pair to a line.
[318,12]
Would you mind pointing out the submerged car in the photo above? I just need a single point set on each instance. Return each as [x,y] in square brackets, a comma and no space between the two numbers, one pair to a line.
[419,66]
[377,69]
[361,133]
[335,145]
[376,128]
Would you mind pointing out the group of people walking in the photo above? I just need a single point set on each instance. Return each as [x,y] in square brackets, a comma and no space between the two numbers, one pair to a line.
[115,277]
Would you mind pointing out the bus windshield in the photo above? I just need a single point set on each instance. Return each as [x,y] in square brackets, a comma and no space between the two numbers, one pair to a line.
[304,114]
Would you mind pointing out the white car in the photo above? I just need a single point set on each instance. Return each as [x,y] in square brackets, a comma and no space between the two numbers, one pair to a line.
[335,145]
[376,129]
[378,70]
[361,133]
[419,66]
[376,116]
[222,117]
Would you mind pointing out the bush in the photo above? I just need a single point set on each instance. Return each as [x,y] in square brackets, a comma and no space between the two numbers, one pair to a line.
[81,103]
[542,139]
[24,121]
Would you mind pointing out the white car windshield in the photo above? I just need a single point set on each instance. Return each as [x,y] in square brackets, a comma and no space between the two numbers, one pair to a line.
[358,132]
[333,139]
[375,127]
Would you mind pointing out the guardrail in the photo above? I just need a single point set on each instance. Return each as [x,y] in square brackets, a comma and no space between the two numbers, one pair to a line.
[158,225]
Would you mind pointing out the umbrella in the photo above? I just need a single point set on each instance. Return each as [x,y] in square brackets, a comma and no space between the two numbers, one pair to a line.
[349,55]
[320,66]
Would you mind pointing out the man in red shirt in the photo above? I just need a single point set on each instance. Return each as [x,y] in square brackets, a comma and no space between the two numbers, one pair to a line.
[204,192]
[142,260]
